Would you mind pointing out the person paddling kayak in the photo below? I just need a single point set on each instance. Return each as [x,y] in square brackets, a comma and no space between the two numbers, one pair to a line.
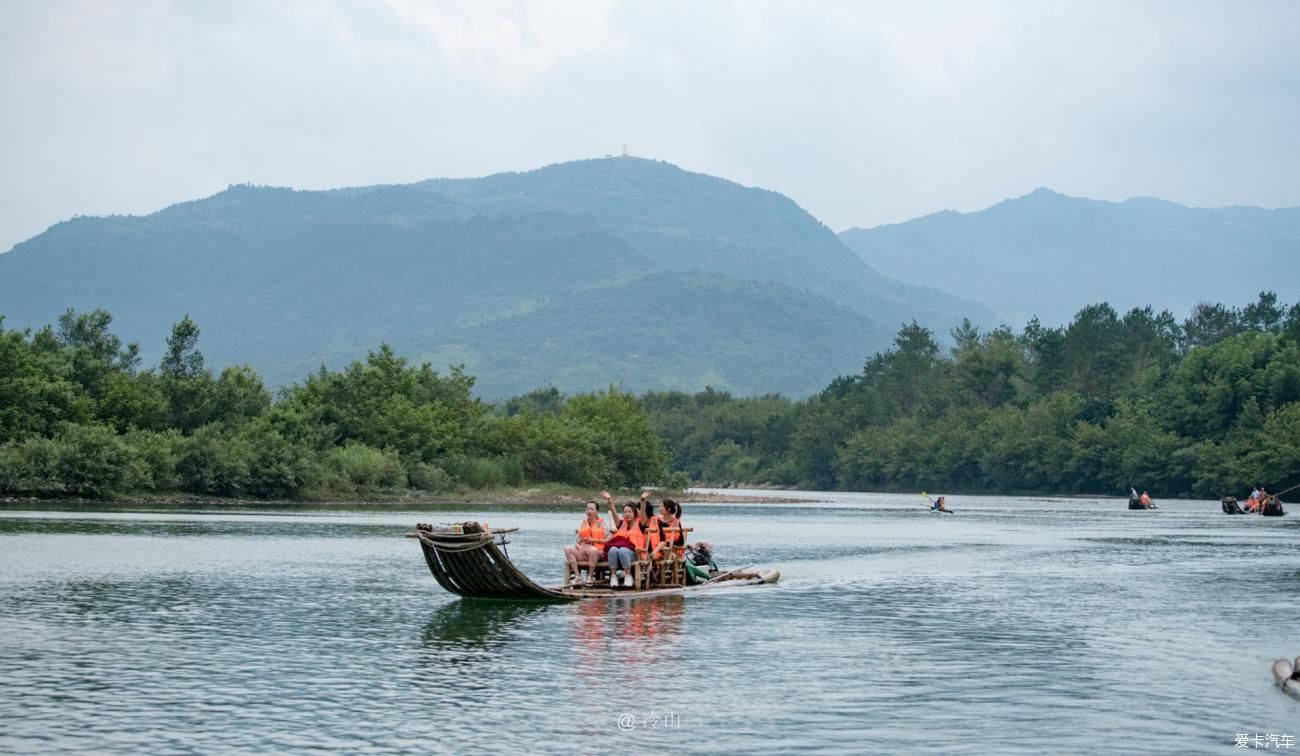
[941,505]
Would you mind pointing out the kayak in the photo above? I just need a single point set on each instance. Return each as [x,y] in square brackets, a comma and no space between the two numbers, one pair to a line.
[1137,504]
[1282,671]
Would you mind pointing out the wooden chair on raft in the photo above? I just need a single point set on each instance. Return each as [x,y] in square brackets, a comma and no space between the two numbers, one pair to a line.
[666,572]
[669,571]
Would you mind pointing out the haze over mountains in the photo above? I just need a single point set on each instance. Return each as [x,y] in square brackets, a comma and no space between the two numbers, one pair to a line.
[1048,254]
[579,275]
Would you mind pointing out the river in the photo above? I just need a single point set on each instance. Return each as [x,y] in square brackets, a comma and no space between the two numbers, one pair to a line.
[1012,625]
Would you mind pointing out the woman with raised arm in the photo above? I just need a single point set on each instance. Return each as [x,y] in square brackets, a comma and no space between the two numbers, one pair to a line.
[670,528]
[622,548]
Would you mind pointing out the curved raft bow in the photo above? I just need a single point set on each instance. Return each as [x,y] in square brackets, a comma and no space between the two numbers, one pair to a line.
[469,560]
[472,563]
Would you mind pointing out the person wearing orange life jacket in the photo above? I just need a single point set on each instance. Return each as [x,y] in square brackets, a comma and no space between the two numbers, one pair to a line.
[1265,498]
[654,527]
[623,547]
[613,511]
[670,528]
[1146,500]
[591,537]
[1252,503]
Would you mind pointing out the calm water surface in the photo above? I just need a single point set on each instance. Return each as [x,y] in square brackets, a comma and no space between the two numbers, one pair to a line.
[1012,625]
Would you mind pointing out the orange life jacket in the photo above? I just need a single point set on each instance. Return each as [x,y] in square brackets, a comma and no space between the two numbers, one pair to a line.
[673,532]
[1146,500]
[633,533]
[594,533]
[654,533]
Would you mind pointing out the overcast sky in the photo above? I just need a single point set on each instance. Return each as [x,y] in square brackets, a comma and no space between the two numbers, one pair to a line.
[863,113]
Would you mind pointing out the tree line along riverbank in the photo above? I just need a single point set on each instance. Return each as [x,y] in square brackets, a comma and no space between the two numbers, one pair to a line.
[1199,407]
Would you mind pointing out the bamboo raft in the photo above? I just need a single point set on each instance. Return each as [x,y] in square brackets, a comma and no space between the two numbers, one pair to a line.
[1271,508]
[471,561]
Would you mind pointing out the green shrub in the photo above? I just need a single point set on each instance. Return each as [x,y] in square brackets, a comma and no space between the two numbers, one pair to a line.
[30,466]
[432,478]
[277,468]
[152,465]
[366,468]
[678,481]
[213,462]
[92,460]
[488,472]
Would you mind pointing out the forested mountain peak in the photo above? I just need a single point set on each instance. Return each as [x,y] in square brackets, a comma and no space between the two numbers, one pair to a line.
[456,269]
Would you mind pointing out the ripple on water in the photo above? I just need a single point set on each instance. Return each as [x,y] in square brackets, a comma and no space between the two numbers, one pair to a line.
[1013,625]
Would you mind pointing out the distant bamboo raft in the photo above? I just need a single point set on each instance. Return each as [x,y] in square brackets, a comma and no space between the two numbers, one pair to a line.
[471,563]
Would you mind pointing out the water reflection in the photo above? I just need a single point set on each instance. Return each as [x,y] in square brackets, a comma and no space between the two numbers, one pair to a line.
[480,624]
[1012,626]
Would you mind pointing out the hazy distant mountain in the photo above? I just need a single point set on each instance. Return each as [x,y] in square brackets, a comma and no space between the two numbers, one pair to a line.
[691,221]
[669,331]
[1049,254]
[578,275]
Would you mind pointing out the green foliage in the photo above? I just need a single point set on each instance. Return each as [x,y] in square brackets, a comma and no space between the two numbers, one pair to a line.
[702,430]
[277,468]
[153,460]
[37,394]
[364,468]
[617,426]
[547,400]
[1095,406]
[82,460]
[582,274]
[387,404]
[238,396]
[213,461]
[29,466]
[488,472]
[552,448]
[183,358]
[92,460]
[134,401]
[423,476]
[1101,404]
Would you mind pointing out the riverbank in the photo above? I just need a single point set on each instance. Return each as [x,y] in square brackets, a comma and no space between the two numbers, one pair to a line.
[549,495]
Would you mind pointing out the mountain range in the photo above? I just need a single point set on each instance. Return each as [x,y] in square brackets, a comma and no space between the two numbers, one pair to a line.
[1048,255]
[579,275]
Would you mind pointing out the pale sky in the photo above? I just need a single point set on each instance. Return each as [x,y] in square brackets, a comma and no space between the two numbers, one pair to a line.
[863,113]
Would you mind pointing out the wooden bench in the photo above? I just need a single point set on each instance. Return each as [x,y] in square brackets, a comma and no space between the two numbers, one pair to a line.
[668,572]
[640,573]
